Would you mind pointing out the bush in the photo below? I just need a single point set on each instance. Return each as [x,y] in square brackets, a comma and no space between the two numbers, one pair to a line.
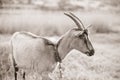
[4,60]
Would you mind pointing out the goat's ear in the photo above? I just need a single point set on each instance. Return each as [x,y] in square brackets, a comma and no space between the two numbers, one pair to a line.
[77,33]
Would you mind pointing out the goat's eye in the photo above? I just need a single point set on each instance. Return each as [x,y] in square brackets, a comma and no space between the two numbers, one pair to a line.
[86,32]
[81,36]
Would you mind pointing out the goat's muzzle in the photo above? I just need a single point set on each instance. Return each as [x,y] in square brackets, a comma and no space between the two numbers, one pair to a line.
[91,53]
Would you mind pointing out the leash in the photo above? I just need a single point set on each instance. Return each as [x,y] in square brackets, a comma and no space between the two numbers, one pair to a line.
[60,71]
[59,60]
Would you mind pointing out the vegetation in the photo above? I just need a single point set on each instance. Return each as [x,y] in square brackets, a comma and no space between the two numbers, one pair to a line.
[104,34]
[62,4]
[49,24]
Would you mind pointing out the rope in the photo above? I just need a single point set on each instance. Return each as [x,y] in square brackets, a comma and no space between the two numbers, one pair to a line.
[58,59]
[60,71]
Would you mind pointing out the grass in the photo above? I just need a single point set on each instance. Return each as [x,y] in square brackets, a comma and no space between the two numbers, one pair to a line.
[38,23]
[50,23]
[104,65]
[101,27]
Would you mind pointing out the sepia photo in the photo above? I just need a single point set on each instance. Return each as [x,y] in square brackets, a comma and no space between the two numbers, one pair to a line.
[59,39]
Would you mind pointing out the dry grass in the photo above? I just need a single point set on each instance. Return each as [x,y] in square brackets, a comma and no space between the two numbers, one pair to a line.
[104,65]
[52,23]
[101,27]
[38,22]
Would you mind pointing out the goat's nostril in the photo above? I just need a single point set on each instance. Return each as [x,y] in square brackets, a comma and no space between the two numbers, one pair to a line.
[92,52]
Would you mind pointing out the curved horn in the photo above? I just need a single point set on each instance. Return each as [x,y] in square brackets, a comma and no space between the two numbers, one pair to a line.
[74,19]
[78,20]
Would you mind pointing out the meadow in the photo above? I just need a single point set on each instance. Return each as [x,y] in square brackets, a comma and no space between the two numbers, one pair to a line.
[104,35]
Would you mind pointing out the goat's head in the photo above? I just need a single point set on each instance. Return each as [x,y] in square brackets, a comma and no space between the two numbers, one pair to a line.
[79,37]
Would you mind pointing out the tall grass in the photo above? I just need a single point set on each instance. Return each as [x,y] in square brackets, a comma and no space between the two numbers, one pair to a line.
[38,23]
[51,23]
[4,60]
[101,27]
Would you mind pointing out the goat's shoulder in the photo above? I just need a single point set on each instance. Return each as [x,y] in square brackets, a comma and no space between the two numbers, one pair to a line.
[48,42]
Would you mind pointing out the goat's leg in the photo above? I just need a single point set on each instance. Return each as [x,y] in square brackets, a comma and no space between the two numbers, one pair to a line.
[23,75]
[15,72]
[15,68]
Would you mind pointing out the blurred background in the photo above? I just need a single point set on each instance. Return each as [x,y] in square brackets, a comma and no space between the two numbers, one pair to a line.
[46,18]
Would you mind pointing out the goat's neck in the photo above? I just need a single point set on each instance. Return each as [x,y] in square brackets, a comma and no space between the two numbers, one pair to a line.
[64,47]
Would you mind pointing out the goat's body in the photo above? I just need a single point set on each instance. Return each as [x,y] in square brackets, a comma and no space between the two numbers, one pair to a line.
[31,52]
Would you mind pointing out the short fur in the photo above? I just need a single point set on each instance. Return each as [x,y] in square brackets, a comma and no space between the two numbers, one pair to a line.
[33,53]
[37,54]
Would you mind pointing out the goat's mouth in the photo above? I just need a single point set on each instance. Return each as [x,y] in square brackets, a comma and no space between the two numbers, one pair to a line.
[87,53]
[91,53]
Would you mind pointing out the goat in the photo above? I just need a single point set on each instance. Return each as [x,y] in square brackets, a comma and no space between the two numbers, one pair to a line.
[38,54]
[76,38]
